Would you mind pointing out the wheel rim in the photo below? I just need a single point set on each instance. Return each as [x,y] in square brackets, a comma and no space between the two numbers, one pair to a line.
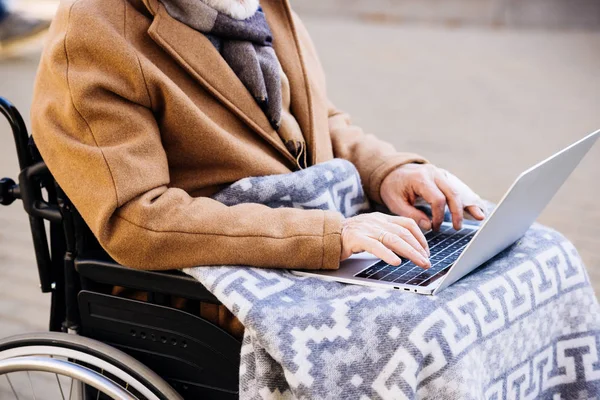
[55,351]
[65,368]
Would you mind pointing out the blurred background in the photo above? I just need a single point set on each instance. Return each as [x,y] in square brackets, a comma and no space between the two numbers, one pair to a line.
[484,88]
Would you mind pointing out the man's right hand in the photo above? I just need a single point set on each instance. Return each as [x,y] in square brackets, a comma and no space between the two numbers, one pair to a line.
[385,236]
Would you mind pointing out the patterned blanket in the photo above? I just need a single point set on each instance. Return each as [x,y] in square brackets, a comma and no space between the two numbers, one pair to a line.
[525,325]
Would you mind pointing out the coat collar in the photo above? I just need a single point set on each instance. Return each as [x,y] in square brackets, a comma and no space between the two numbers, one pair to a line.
[196,54]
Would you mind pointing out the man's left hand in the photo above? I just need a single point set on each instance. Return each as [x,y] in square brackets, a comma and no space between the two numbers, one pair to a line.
[403,186]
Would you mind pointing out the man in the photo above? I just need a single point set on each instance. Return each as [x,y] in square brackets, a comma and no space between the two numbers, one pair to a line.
[144,108]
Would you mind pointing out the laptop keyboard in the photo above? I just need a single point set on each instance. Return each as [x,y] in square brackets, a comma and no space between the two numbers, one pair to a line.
[445,246]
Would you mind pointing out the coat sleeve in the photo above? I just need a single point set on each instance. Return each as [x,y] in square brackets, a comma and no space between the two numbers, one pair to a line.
[374,158]
[90,100]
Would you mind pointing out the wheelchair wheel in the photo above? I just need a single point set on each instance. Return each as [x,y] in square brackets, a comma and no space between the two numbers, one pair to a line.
[62,366]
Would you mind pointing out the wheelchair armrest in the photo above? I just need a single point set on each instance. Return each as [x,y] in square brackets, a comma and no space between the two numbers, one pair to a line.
[173,283]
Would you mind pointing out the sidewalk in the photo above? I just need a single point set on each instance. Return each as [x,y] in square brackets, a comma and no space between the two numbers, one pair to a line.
[536,14]
[39,8]
[483,103]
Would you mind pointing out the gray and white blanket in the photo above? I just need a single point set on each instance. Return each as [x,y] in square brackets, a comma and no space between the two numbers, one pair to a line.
[526,325]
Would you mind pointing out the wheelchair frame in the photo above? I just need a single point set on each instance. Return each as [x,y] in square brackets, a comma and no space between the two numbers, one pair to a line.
[197,358]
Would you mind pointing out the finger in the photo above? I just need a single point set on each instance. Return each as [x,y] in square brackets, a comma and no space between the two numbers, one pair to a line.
[405,209]
[436,199]
[402,248]
[476,212]
[411,234]
[378,249]
[406,236]
[452,198]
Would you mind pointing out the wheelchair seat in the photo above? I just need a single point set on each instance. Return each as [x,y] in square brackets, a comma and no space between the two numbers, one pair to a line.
[196,357]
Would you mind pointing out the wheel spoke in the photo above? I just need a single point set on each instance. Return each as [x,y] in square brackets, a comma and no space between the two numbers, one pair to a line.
[60,387]
[31,385]
[71,389]
[12,387]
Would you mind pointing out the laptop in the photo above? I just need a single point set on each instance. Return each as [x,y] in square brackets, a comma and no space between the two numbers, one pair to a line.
[456,253]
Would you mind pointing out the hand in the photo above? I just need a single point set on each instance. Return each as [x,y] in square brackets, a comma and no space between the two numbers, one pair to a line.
[402,187]
[399,237]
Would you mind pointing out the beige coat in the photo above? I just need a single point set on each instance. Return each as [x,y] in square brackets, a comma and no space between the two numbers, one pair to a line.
[140,119]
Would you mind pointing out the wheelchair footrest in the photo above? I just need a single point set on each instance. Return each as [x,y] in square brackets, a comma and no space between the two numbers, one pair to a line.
[199,359]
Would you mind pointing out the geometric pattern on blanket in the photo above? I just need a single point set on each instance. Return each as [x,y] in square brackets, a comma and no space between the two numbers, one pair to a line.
[333,185]
[525,325]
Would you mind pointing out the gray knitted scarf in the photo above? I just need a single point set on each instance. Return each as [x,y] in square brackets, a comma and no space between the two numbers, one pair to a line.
[246,45]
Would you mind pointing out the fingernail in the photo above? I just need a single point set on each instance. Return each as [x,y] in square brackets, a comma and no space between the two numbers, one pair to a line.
[426,263]
[425,224]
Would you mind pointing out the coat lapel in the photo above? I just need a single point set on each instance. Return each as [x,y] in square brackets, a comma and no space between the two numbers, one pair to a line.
[196,54]
[287,48]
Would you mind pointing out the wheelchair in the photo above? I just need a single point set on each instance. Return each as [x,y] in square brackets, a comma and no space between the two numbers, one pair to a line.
[100,345]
